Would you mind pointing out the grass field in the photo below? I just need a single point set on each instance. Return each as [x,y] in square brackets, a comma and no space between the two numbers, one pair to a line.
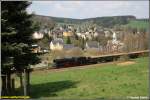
[96,81]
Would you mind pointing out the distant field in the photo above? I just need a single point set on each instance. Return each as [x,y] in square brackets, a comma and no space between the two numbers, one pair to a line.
[110,80]
[138,24]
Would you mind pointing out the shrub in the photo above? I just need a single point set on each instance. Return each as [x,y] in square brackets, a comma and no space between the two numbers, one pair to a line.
[124,58]
[93,51]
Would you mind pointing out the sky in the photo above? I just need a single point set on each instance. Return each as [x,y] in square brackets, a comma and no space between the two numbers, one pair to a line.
[89,9]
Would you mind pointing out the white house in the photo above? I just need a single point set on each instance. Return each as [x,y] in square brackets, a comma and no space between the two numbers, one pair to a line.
[56,44]
[83,36]
[37,35]
[95,34]
[78,34]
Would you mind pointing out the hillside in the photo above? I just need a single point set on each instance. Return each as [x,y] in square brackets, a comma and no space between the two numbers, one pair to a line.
[104,81]
[139,24]
[102,21]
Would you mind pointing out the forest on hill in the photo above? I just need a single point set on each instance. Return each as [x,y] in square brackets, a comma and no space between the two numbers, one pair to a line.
[101,21]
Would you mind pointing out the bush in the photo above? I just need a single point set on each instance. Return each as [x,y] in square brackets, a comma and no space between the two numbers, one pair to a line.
[75,52]
[124,58]
[93,51]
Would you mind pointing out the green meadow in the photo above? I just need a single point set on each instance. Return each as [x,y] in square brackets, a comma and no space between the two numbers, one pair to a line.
[138,24]
[111,80]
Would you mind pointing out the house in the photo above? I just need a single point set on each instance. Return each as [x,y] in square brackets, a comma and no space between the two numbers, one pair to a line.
[49,33]
[57,33]
[79,34]
[95,34]
[35,48]
[92,45]
[89,36]
[86,35]
[44,50]
[37,35]
[68,33]
[56,44]
[114,44]
[107,33]
[83,36]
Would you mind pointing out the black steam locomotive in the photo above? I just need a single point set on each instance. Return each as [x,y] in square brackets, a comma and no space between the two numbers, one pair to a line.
[80,61]
[74,61]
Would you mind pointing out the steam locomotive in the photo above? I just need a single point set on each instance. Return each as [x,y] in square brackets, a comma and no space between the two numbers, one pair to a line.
[74,61]
[80,61]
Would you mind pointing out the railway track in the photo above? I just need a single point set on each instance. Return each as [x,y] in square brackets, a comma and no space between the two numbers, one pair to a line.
[121,54]
[81,61]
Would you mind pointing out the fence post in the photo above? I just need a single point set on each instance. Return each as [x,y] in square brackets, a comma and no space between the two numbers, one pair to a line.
[25,85]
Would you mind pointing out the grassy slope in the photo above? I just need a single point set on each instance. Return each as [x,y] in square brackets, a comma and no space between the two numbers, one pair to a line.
[99,81]
[139,24]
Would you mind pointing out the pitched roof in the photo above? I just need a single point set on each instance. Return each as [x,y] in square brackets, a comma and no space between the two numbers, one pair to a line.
[68,46]
[93,44]
[58,40]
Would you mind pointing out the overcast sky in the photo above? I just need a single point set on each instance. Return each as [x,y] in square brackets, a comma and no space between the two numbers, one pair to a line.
[89,9]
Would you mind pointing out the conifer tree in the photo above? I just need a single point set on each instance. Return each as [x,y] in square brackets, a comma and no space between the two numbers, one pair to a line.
[16,39]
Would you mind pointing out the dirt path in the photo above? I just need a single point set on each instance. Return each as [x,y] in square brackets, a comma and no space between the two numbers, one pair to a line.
[126,63]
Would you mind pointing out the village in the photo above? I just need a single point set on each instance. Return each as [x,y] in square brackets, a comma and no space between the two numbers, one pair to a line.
[70,42]
[62,40]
